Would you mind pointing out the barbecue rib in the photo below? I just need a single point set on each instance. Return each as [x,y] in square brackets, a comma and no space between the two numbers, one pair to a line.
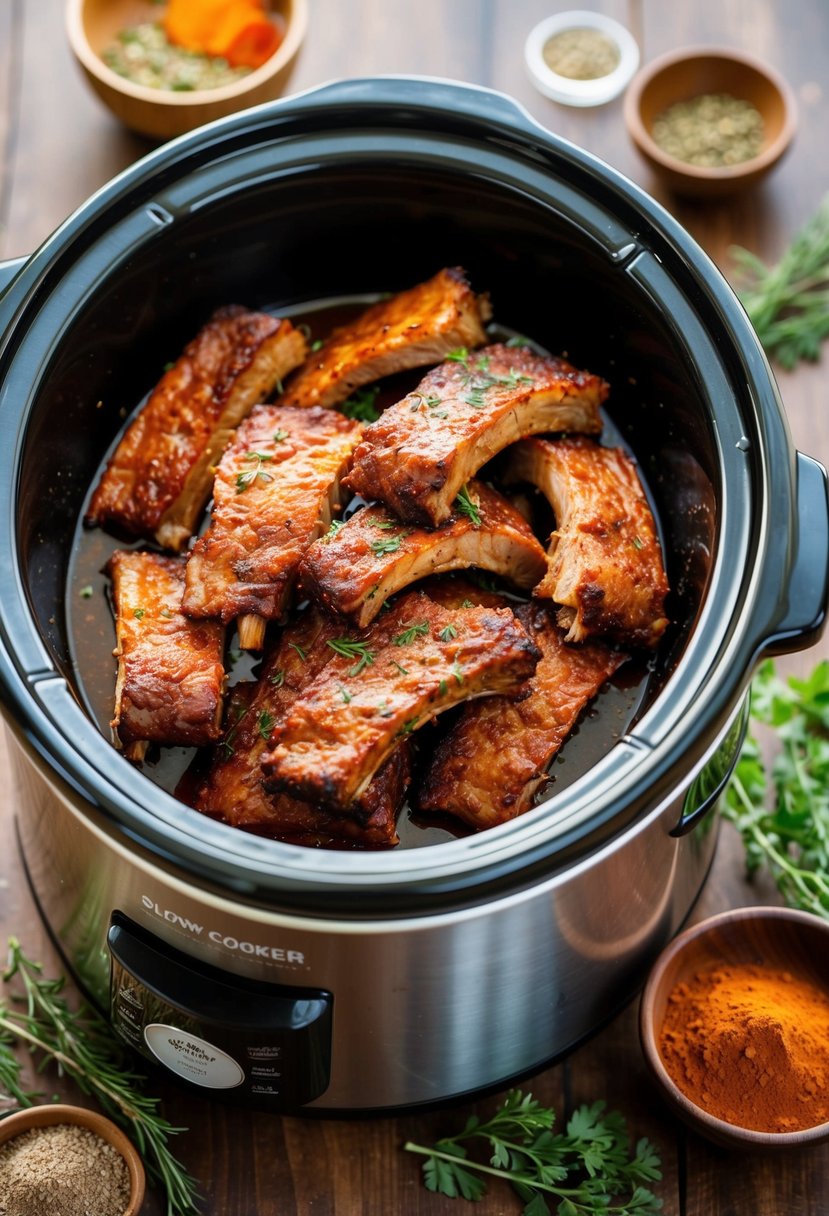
[158,479]
[232,789]
[413,662]
[412,329]
[170,673]
[423,450]
[604,560]
[274,489]
[355,569]
[487,768]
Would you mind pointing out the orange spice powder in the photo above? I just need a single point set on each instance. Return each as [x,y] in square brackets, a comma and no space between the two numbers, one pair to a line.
[750,1045]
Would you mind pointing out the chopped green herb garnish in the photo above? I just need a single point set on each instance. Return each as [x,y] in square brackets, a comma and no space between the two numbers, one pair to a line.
[443,688]
[167,614]
[459,355]
[86,592]
[517,340]
[408,635]
[279,436]
[467,507]
[316,345]
[347,648]
[467,604]
[278,678]
[448,633]
[265,723]
[360,405]
[249,476]
[403,670]
[345,694]
[333,529]
[303,654]
[457,672]
[139,613]
[389,544]
[407,727]
[637,541]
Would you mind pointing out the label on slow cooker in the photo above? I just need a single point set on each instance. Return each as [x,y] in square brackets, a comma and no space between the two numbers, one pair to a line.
[193,1058]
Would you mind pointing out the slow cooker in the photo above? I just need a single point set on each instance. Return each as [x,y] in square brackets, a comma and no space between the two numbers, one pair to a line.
[297,978]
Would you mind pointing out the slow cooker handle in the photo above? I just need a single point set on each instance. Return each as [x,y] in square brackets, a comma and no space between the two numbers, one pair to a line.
[799,610]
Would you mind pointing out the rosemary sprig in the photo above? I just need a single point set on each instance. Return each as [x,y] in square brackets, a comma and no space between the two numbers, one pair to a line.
[788,304]
[347,648]
[588,1169]
[467,507]
[80,1044]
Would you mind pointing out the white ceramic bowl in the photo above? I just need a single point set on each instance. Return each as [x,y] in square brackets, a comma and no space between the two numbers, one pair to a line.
[580,92]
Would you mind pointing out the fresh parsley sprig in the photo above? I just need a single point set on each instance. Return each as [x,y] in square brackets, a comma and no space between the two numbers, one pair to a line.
[81,1045]
[788,304]
[782,814]
[588,1169]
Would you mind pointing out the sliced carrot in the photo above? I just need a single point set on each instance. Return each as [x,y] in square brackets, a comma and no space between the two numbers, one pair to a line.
[237,30]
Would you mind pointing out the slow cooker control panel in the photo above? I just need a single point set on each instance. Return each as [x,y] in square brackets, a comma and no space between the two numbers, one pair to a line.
[269,1044]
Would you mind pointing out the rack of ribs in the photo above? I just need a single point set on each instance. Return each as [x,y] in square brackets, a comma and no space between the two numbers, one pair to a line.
[356,567]
[274,489]
[232,789]
[414,328]
[170,673]
[423,450]
[604,559]
[489,765]
[158,480]
[413,662]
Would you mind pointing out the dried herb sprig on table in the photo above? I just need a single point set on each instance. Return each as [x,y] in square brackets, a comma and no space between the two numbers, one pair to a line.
[587,1169]
[788,304]
[81,1045]
[783,817]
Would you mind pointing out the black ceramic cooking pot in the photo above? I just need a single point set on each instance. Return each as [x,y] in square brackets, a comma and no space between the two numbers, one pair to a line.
[388,979]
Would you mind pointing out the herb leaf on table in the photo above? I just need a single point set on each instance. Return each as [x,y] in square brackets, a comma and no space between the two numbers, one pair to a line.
[782,814]
[80,1044]
[588,1169]
[788,304]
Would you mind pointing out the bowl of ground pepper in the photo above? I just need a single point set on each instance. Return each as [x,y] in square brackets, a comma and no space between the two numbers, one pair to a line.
[710,121]
[580,58]
[67,1160]
[734,1025]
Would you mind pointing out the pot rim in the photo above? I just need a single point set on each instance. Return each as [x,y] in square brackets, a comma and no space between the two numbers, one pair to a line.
[737,621]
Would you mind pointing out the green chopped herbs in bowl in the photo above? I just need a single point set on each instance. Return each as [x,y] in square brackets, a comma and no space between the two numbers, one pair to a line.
[144,55]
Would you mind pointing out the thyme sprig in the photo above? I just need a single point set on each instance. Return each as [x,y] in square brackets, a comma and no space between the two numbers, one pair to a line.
[788,304]
[347,648]
[588,1169]
[80,1044]
[468,507]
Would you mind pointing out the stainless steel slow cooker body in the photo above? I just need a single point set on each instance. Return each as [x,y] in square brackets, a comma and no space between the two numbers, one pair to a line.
[289,976]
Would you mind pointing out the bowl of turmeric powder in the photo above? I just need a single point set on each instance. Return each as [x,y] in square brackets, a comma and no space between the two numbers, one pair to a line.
[734,1025]
[166,68]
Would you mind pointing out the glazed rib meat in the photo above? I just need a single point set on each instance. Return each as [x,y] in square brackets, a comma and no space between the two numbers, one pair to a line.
[487,768]
[354,569]
[423,450]
[412,329]
[413,662]
[273,493]
[604,558]
[232,790]
[170,673]
[158,480]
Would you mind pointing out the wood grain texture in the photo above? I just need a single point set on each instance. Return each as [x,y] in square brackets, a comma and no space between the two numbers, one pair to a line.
[57,146]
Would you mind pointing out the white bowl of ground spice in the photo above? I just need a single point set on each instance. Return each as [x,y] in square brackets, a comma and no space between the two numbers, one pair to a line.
[70,1160]
[710,121]
[734,1025]
[580,58]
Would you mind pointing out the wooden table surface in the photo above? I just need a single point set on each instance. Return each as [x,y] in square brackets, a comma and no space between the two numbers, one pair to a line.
[58,145]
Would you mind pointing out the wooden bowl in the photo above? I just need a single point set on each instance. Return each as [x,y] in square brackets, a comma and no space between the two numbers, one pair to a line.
[93,25]
[684,74]
[778,937]
[49,1115]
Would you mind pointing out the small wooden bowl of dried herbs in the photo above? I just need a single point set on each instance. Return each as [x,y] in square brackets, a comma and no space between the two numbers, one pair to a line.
[734,1025]
[68,1159]
[710,121]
